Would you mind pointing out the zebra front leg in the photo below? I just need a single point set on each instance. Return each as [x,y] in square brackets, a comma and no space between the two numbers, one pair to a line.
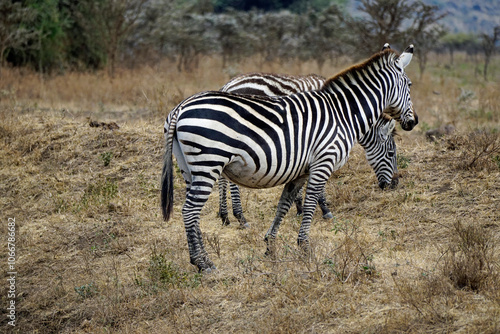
[287,197]
[223,201]
[236,202]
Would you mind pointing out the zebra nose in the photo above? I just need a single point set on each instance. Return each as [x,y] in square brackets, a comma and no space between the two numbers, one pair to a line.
[394,182]
[408,126]
[383,184]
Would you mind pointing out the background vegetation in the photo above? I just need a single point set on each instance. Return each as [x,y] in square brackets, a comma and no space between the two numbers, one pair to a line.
[59,35]
[80,161]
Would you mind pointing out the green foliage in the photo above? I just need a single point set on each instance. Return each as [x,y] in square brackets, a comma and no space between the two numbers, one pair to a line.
[164,274]
[496,159]
[15,28]
[403,161]
[460,42]
[50,24]
[106,158]
[92,34]
[86,48]
[86,291]
[99,193]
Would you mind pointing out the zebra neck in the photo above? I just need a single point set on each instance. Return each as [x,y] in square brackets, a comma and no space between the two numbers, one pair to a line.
[365,90]
[363,104]
[365,120]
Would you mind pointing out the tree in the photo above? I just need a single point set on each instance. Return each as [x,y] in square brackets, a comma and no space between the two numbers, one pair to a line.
[424,31]
[458,42]
[322,36]
[14,32]
[270,31]
[232,34]
[489,46]
[383,23]
[107,23]
[49,23]
[398,22]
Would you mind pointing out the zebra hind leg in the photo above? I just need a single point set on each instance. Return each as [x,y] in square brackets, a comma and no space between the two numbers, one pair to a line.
[287,197]
[223,201]
[195,200]
[313,192]
[298,203]
[236,202]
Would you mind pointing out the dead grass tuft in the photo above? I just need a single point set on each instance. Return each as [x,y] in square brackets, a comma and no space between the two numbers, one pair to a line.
[480,149]
[470,259]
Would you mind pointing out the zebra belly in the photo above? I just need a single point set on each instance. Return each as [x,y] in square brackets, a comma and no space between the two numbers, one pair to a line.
[237,171]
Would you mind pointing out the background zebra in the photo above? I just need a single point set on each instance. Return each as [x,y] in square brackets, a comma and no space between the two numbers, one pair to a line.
[262,142]
[378,142]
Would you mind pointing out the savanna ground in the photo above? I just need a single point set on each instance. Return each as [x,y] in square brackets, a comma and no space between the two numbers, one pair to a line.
[94,256]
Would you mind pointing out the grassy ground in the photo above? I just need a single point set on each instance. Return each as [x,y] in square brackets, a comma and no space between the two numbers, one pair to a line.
[94,256]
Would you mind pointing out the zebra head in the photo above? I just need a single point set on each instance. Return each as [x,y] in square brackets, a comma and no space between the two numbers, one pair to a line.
[400,106]
[380,149]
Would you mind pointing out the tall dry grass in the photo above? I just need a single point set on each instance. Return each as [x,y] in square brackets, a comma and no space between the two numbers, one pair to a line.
[94,255]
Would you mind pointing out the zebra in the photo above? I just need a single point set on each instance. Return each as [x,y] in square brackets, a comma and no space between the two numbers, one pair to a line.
[378,143]
[262,142]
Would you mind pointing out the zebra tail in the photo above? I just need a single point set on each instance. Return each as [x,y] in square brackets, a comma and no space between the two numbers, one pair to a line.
[167,177]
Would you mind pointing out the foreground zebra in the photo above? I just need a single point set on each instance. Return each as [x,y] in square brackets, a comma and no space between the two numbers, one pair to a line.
[378,142]
[261,142]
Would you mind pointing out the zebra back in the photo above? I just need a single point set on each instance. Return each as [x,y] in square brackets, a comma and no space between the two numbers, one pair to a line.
[272,84]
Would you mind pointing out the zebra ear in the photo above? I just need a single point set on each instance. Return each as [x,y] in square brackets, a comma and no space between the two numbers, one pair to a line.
[387,129]
[392,126]
[385,47]
[406,56]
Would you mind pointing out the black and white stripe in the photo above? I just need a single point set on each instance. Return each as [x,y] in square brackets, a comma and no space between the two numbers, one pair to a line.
[378,142]
[261,142]
[272,84]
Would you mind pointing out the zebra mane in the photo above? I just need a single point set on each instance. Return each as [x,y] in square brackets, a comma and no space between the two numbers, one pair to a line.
[388,54]
[266,74]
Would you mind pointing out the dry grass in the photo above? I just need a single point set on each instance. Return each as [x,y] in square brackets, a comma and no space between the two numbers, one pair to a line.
[94,256]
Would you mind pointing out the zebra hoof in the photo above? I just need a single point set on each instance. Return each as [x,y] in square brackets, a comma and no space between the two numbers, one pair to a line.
[328,215]
[244,226]
[208,270]
[225,222]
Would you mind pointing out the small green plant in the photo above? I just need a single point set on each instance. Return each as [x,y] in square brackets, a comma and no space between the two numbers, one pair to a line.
[345,227]
[106,158]
[349,261]
[164,274]
[99,193]
[148,187]
[496,159]
[424,127]
[403,162]
[86,291]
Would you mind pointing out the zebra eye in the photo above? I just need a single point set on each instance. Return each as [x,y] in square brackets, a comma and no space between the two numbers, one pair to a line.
[390,153]
[409,83]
